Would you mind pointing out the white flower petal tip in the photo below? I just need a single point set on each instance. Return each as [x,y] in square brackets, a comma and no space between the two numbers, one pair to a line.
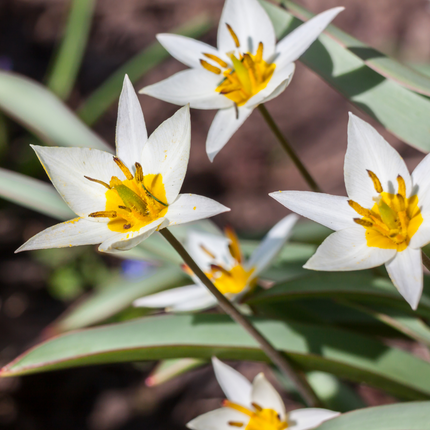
[309,418]
[265,395]
[235,386]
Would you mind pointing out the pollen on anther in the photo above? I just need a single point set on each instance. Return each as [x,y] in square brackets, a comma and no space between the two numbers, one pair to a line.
[235,424]
[376,182]
[217,60]
[210,67]
[233,35]
[123,168]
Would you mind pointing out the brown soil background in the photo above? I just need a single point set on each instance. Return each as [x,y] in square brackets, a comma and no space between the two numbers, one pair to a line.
[309,112]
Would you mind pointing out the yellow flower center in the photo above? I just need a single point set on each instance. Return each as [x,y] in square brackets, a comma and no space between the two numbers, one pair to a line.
[393,219]
[249,75]
[231,280]
[134,202]
[259,418]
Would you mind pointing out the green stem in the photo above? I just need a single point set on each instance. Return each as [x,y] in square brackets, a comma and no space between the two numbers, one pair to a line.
[426,260]
[280,360]
[288,149]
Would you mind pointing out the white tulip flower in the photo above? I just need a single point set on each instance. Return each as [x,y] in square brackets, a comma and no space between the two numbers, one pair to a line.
[248,67]
[256,406]
[221,259]
[121,200]
[384,219]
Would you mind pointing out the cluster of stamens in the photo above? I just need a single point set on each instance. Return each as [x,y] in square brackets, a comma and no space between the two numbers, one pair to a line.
[232,280]
[248,76]
[129,204]
[259,418]
[393,219]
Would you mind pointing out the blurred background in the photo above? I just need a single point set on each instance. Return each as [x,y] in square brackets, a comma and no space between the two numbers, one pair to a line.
[37,288]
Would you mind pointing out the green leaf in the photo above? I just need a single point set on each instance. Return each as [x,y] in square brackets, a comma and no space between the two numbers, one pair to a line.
[415,80]
[116,296]
[39,110]
[400,110]
[169,369]
[33,194]
[352,286]
[102,98]
[401,416]
[311,347]
[67,60]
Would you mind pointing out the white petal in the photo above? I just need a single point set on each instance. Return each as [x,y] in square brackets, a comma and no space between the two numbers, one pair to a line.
[368,150]
[171,297]
[271,245]
[205,301]
[195,86]
[406,274]
[332,211]
[191,207]
[124,241]
[279,82]
[218,246]
[309,418]
[188,51]
[217,420]
[421,185]
[264,395]
[292,46]
[422,236]
[167,152]
[75,232]
[251,24]
[131,132]
[67,168]
[235,386]
[224,125]
[347,250]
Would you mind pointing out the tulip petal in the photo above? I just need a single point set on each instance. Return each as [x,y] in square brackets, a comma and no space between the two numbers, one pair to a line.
[224,125]
[347,250]
[124,241]
[421,185]
[78,231]
[235,386]
[271,245]
[280,80]
[264,395]
[171,297]
[67,168]
[191,207]
[217,420]
[251,24]
[422,237]
[368,150]
[406,273]
[188,51]
[309,418]
[131,132]
[207,249]
[331,211]
[167,152]
[292,46]
[205,301]
[195,86]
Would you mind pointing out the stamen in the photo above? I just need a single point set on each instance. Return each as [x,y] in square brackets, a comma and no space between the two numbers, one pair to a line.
[217,60]
[99,182]
[235,424]
[123,167]
[402,205]
[363,222]
[359,209]
[234,246]
[259,54]
[376,182]
[204,249]
[233,35]
[236,109]
[257,407]
[103,214]
[126,226]
[216,268]
[139,172]
[125,208]
[210,67]
[402,186]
